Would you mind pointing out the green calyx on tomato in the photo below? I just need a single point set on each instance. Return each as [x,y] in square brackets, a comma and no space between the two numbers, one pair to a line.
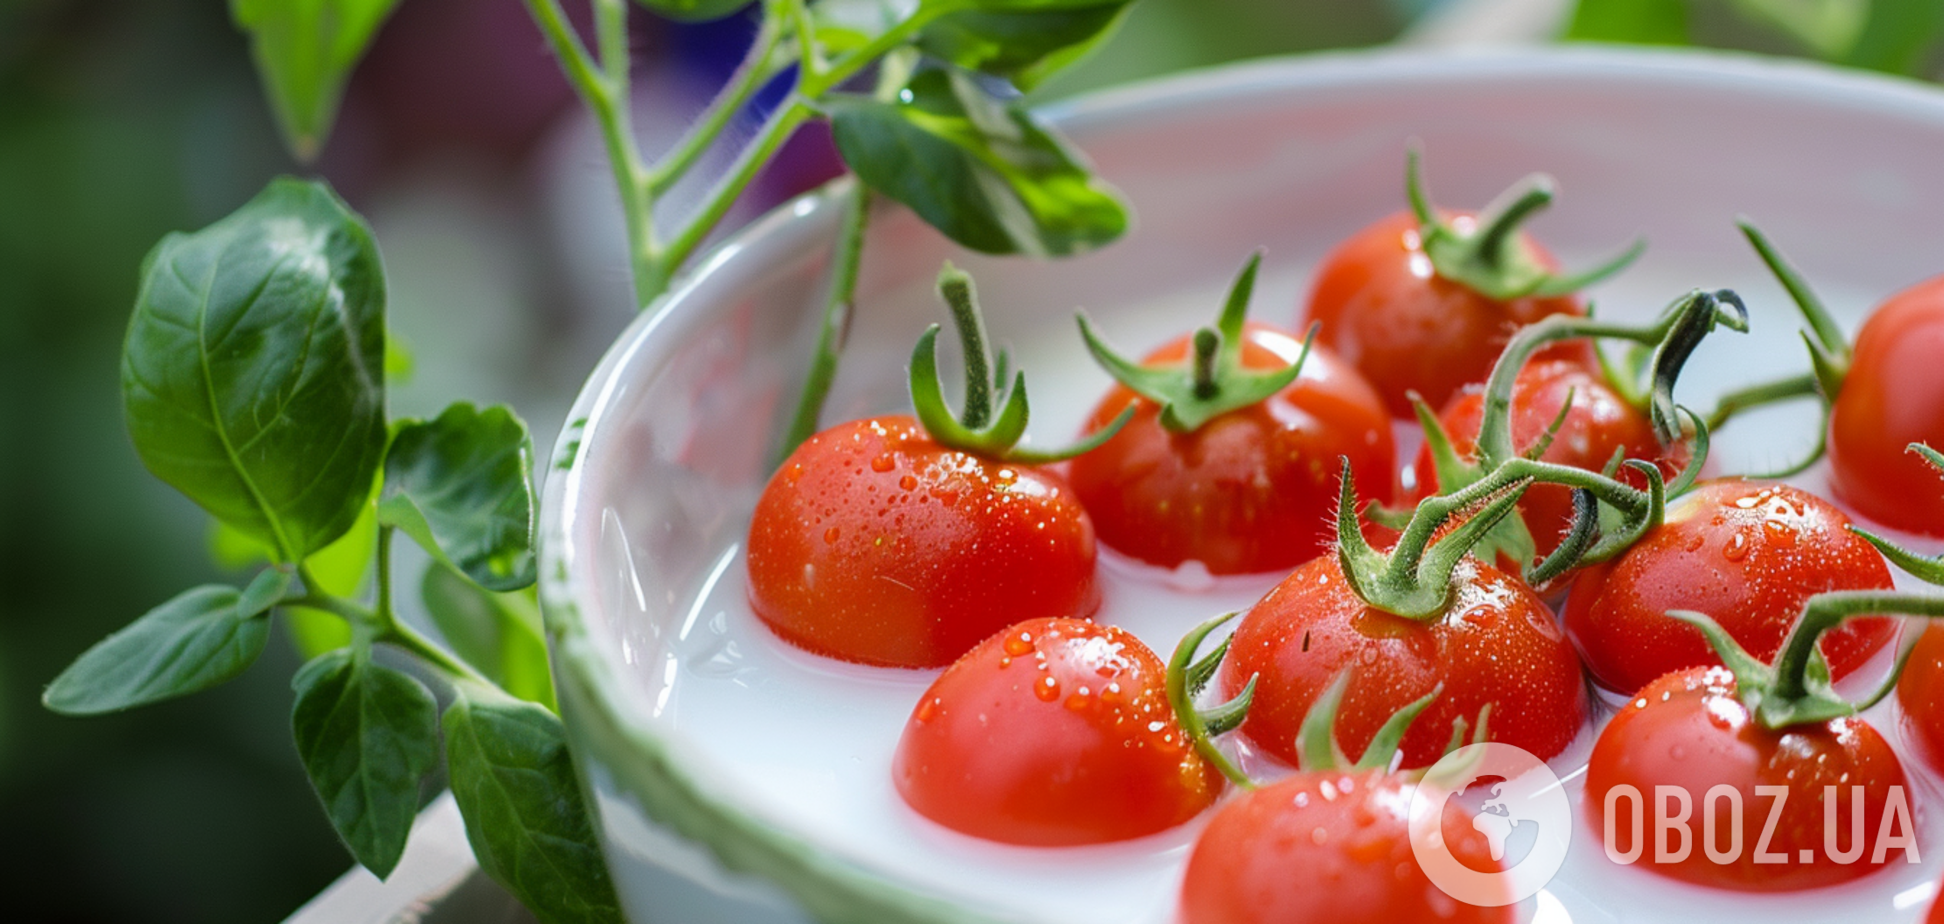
[1796,689]
[1487,256]
[1925,568]
[1213,382]
[1669,340]
[1187,678]
[1830,356]
[979,429]
[1316,747]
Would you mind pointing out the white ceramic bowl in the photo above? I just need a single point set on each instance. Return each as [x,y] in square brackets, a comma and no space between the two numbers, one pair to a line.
[717,804]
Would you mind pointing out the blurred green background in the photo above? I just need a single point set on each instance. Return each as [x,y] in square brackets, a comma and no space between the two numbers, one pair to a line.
[121,120]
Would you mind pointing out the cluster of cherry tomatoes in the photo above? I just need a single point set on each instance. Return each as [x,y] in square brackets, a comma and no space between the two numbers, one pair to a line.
[1551,522]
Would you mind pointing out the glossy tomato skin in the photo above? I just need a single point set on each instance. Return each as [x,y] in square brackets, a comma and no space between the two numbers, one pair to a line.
[1892,397]
[1407,329]
[1598,423]
[1497,644]
[1748,554]
[1689,730]
[1055,732]
[1325,847]
[1252,490]
[876,545]
[1920,691]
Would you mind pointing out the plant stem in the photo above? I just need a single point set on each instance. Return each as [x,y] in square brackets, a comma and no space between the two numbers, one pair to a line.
[777,129]
[836,320]
[1824,612]
[750,76]
[604,89]
[1766,393]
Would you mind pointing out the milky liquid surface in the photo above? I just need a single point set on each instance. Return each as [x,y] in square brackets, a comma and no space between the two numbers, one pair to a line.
[811,739]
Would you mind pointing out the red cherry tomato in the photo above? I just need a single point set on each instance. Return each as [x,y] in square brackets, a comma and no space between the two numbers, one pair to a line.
[1920,691]
[1893,396]
[1497,643]
[874,544]
[1054,732]
[1325,847]
[1745,553]
[1408,329]
[1252,490]
[1688,730]
[1598,424]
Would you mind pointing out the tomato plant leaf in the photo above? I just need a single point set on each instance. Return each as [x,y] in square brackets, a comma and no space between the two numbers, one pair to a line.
[462,487]
[525,819]
[694,10]
[367,735]
[1640,22]
[1896,35]
[338,569]
[252,374]
[305,50]
[1023,47]
[984,172]
[498,633]
[196,640]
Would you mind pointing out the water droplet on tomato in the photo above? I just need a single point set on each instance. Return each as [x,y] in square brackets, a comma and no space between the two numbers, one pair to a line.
[1737,547]
[1778,533]
[908,482]
[1080,701]
[1047,689]
[883,463]
[1019,644]
[830,536]
[928,709]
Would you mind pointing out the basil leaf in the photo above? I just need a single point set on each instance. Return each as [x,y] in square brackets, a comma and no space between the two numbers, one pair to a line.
[1024,48]
[367,735]
[985,173]
[462,487]
[305,50]
[498,633]
[198,639]
[1643,22]
[252,376]
[694,10]
[516,789]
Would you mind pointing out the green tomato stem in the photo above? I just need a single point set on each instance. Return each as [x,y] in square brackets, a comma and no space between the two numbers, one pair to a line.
[761,64]
[835,327]
[1761,395]
[1186,678]
[748,164]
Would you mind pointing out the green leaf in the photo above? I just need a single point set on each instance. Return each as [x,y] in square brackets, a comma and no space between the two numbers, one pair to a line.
[1827,28]
[984,172]
[462,487]
[367,735]
[195,641]
[1640,22]
[1897,35]
[694,10]
[252,375]
[1025,47]
[339,569]
[525,818]
[305,50]
[498,633]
